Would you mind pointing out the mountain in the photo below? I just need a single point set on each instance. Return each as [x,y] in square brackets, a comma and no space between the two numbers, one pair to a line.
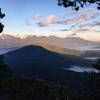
[8,41]
[67,45]
[39,62]
[68,42]
[61,49]
[36,55]
[64,42]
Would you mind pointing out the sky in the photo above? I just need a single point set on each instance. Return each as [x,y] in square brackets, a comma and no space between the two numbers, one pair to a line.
[45,18]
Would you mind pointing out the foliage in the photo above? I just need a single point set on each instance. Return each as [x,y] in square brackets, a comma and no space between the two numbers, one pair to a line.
[94,87]
[1,17]
[4,69]
[77,4]
[97,64]
[28,88]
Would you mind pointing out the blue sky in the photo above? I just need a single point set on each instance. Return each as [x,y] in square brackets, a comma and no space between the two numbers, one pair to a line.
[45,17]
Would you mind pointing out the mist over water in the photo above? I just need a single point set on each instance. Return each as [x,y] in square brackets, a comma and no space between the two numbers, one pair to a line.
[84,48]
[82,69]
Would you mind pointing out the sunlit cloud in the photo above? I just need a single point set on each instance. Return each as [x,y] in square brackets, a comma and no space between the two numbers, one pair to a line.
[29,21]
[54,20]
[35,16]
[49,20]
[86,31]
[80,20]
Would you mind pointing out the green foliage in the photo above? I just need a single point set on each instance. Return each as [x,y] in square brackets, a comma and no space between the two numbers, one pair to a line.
[77,4]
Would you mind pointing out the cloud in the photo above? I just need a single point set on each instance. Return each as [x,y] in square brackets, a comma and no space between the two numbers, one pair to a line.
[95,15]
[80,20]
[91,24]
[71,21]
[49,20]
[85,11]
[30,19]
[63,30]
[86,31]
[97,31]
[82,30]
[35,16]
[77,19]
[68,14]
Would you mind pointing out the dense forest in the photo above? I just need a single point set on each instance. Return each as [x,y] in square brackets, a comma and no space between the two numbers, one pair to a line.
[14,87]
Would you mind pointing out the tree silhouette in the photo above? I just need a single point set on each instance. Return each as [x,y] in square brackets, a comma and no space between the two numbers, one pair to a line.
[97,64]
[77,4]
[1,17]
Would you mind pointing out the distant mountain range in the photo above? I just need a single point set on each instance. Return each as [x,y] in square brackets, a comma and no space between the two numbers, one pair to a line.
[68,42]
[67,45]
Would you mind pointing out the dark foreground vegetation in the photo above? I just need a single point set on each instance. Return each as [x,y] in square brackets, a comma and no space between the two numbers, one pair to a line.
[27,88]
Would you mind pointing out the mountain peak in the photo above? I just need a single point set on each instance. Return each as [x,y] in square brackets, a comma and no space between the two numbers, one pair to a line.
[23,36]
[5,36]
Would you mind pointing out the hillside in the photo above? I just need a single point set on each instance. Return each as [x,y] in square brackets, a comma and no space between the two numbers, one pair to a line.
[39,62]
[14,87]
[24,88]
[36,55]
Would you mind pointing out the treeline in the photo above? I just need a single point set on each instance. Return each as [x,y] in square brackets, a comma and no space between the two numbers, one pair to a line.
[27,88]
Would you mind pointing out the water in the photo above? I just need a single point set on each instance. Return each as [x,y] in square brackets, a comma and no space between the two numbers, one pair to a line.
[82,69]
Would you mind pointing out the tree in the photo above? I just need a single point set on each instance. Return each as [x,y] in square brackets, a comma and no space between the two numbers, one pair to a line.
[77,4]
[4,69]
[1,17]
[97,64]
[94,87]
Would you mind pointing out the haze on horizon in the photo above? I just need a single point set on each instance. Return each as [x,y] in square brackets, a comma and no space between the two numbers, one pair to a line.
[45,18]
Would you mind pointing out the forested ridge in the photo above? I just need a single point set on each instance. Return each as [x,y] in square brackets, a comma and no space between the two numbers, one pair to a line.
[27,88]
